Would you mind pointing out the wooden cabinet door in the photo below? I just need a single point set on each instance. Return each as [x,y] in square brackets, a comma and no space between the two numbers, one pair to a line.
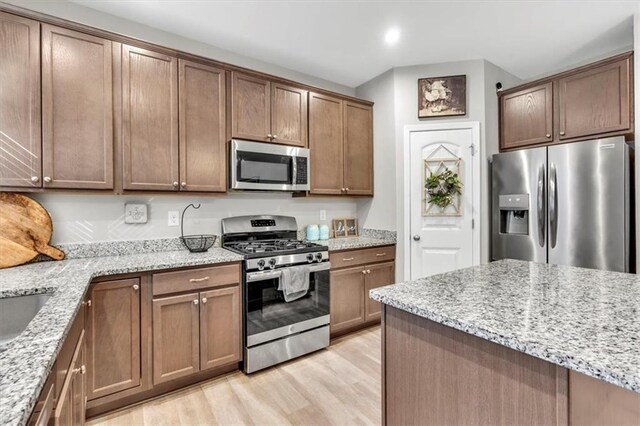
[526,117]
[149,120]
[220,327]
[377,275]
[250,108]
[346,298]
[20,119]
[595,101]
[77,110]
[288,115]
[175,337]
[326,144]
[113,337]
[72,401]
[202,128]
[358,149]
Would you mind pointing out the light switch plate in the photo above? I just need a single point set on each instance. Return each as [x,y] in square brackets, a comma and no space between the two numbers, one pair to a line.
[173,219]
[135,213]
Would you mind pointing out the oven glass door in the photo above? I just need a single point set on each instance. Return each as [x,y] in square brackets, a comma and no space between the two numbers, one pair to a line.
[258,167]
[269,317]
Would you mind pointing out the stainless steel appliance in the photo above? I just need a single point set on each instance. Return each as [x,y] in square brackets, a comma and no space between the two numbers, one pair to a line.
[268,167]
[276,330]
[567,204]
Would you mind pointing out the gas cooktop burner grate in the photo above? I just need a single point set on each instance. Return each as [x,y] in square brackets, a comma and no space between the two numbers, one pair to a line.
[270,246]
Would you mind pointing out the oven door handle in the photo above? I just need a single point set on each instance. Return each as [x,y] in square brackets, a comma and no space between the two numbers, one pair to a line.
[277,273]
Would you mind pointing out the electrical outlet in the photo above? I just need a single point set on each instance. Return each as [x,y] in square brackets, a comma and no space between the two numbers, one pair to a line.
[173,219]
[323,215]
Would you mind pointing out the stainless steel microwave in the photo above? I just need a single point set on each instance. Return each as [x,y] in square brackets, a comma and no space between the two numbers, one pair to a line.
[268,167]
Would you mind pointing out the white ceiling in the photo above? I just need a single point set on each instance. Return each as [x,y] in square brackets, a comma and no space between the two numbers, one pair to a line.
[343,41]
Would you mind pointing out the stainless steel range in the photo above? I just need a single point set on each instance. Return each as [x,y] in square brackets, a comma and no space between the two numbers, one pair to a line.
[286,289]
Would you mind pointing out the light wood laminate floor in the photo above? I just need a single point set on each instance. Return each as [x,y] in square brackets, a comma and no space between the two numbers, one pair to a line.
[337,386]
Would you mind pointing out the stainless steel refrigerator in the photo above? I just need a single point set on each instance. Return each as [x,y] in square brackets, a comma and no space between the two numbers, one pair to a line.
[568,204]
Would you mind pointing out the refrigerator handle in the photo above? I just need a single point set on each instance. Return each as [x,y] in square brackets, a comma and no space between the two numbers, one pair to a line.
[553,205]
[541,205]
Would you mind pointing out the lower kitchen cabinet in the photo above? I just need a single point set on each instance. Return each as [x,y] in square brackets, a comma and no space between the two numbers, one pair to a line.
[351,307]
[195,331]
[220,330]
[113,337]
[175,337]
[71,406]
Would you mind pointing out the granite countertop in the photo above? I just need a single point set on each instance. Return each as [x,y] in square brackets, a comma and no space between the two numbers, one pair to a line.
[348,243]
[27,360]
[581,319]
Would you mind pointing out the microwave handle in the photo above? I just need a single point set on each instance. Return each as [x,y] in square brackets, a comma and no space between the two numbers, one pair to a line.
[294,171]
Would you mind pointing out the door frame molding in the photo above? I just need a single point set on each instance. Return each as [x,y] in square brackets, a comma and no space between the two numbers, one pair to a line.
[474,126]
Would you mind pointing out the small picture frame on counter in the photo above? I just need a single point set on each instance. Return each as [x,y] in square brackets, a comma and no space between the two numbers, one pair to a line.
[347,227]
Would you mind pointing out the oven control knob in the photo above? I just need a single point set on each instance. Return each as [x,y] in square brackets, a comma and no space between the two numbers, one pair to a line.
[319,257]
[310,257]
[261,264]
[272,263]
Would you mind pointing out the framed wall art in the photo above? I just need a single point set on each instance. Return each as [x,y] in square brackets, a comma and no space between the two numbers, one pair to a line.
[442,96]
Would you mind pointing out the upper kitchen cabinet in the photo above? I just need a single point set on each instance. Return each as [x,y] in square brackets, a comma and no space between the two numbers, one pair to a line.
[326,144]
[20,120]
[149,120]
[595,101]
[341,144]
[527,116]
[267,111]
[202,127]
[77,108]
[358,149]
[590,102]
[288,115]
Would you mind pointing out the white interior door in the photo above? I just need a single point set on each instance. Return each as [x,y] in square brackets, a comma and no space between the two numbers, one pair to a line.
[442,240]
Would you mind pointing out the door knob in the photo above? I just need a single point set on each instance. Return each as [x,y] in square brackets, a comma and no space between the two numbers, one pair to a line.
[416,237]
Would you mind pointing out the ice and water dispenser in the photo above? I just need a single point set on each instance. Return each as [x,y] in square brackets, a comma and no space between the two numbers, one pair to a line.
[514,214]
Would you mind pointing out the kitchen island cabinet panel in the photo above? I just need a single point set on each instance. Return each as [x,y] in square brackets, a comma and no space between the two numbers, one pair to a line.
[113,337]
[77,110]
[149,120]
[20,120]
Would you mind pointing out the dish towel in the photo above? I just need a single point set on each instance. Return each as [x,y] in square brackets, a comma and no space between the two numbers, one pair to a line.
[294,282]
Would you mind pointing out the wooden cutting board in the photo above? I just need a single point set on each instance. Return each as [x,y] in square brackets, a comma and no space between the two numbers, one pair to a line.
[25,230]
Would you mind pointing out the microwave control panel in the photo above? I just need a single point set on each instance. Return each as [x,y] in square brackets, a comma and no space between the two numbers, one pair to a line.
[302,170]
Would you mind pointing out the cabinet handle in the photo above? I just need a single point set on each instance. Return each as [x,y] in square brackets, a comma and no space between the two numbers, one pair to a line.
[561,133]
[270,136]
[275,136]
[346,189]
[47,179]
[88,303]
[347,259]
[183,184]
[547,136]
[368,271]
[198,280]
[342,189]
[195,301]
[381,254]
[135,287]
[82,370]
[175,184]
[204,300]
[364,271]
[35,179]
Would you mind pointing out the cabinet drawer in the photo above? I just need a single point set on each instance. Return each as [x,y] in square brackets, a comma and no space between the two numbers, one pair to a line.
[195,279]
[362,256]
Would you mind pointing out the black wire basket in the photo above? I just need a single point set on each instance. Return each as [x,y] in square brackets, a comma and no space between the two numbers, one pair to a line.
[195,243]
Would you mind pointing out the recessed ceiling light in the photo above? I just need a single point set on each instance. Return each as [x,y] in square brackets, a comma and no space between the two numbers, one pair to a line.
[392,36]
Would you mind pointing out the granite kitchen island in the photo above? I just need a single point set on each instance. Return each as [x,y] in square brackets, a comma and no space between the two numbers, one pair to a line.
[512,342]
